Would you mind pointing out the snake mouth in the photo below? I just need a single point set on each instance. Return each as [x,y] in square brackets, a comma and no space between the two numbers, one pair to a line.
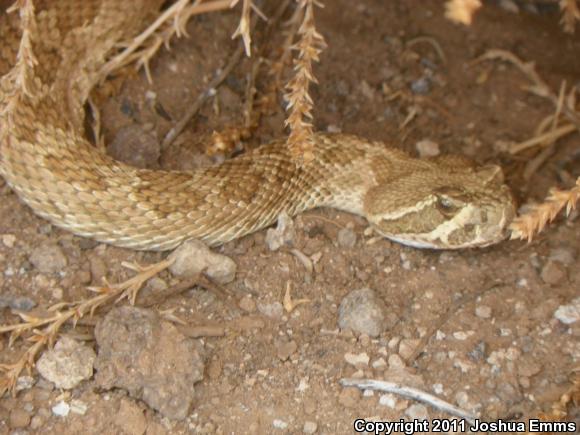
[472,227]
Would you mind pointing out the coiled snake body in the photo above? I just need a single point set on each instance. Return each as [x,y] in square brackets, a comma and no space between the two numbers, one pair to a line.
[53,56]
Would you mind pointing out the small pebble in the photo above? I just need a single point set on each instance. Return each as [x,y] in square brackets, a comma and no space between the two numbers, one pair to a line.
[417,412]
[483,311]
[67,364]
[357,360]
[310,427]
[18,419]
[408,346]
[421,86]
[553,273]
[194,257]
[248,304]
[283,235]
[275,310]
[363,312]
[61,409]
[427,148]
[20,303]
[396,362]
[389,400]
[566,256]
[284,349]
[379,364]
[48,258]
[346,238]
[8,240]
[569,313]
[279,424]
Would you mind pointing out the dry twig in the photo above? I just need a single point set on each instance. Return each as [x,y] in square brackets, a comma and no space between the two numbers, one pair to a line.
[570,14]
[410,393]
[299,106]
[67,313]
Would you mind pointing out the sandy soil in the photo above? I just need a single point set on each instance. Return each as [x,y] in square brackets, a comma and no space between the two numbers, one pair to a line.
[478,325]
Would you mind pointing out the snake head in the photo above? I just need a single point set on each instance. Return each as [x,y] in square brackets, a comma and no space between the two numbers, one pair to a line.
[449,208]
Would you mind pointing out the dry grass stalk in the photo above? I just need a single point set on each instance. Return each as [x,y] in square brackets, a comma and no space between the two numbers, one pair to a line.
[20,80]
[461,11]
[309,47]
[570,14]
[243,29]
[532,222]
[170,23]
[63,313]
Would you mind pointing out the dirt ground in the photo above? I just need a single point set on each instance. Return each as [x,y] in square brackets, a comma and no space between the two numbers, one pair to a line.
[475,327]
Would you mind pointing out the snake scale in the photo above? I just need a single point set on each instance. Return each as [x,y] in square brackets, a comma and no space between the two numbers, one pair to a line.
[52,56]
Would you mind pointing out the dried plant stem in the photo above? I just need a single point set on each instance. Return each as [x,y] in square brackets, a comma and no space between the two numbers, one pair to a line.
[409,393]
[534,221]
[65,313]
[179,13]
[299,119]
[570,14]
[547,137]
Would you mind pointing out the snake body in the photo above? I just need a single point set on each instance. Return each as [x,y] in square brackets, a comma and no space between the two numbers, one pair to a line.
[53,57]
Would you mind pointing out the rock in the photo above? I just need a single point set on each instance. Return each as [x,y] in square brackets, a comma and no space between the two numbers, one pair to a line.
[18,419]
[275,310]
[379,364]
[283,235]
[247,304]
[309,427]
[569,313]
[24,383]
[408,346]
[566,256]
[465,402]
[78,407]
[61,409]
[135,146]
[279,424]
[360,360]
[130,418]
[8,240]
[67,364]
[421,86]
[48,258]
[19,303]
[149,358]
[427,148]
[483,311]
[346,238]
[396,362]
[417,412]
[194,257]
[285,348]
[528,368]
[553,273]
[362,312]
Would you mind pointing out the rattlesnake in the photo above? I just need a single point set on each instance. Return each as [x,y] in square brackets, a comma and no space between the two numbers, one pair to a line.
[53,56]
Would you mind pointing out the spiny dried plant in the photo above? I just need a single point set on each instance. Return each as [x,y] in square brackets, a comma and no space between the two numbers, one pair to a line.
[533,221]
[461,11]
[570,14]
[299,103]
[67,312]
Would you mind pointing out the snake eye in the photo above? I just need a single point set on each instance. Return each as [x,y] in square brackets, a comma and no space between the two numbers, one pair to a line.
[446,206]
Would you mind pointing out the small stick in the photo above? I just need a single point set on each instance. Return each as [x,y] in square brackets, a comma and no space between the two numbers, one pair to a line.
[218,80]
[409,393]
